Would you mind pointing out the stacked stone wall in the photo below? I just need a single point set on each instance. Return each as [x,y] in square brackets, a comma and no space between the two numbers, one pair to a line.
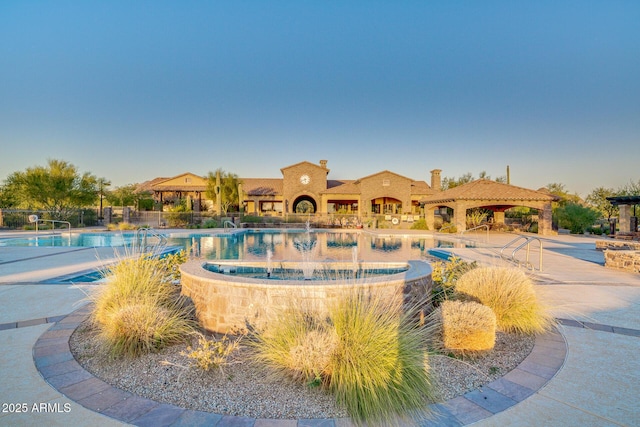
[227,306]
[622,260]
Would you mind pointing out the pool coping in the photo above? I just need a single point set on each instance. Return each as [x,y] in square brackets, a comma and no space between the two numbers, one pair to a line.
[58,367]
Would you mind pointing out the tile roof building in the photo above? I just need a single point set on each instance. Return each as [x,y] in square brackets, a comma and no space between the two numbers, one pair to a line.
[306,188]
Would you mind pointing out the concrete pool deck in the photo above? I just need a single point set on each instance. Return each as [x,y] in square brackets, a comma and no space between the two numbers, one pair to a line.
[596,383]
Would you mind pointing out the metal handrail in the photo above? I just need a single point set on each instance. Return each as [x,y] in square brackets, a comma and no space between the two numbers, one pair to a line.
[53,221]
[477,227]
[142,235]
[229,223]
[527,243]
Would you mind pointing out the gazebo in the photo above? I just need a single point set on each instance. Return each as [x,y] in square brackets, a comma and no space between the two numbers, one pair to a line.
[492,195]
[628,223]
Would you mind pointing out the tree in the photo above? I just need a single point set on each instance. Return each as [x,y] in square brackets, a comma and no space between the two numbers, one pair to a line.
[103,183]
[57,188]
[229,196]
[565,197]
[448,183]
[575,217]
[597,199]
[451,182]
[124,196]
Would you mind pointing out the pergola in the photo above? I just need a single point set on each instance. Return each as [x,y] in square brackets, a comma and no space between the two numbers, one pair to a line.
[496,196]
[628,223]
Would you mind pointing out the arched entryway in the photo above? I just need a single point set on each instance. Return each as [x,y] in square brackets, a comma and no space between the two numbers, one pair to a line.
[305,205]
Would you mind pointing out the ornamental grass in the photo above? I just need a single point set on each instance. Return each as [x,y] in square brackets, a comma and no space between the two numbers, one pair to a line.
[138,309]
[465,328]
[371,354]
[511,295]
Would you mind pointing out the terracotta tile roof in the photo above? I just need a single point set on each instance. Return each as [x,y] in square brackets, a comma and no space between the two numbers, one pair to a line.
[345,186]
[485,189]
[148,185]
[262,186]
[421,187]
[383,172]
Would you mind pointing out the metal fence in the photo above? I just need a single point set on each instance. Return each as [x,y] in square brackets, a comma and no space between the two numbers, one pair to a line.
[19,218]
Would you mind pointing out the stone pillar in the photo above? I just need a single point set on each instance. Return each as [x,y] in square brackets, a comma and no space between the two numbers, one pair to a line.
[498,217]
[108,215]
[1,219]
[430,217]
[126,214]
[545,226]
[625,215]
[460,217]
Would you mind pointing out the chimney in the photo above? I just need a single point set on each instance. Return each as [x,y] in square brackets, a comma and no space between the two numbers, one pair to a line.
[436,183]
[323,163]
[508,175]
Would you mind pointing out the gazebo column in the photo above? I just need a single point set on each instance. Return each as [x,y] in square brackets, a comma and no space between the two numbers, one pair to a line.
[498,217]
[545,227]
[460,217]
[625,218]
[430,217]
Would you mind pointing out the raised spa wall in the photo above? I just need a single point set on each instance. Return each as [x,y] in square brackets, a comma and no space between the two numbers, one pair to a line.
[230,304]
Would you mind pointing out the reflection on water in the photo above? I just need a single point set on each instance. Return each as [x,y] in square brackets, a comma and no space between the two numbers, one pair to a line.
[255,244]
[328,245]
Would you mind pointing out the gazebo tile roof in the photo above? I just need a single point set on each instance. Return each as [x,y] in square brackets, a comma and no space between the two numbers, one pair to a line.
[485,189]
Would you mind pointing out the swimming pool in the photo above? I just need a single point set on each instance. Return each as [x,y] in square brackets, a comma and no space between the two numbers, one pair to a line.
[252,245]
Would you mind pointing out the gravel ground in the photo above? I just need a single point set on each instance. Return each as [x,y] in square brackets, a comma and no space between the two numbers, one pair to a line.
[242,389]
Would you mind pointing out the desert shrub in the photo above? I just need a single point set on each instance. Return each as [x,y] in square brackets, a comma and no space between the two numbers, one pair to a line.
[511,296]
[143,326]
[420,224]
[369,353]
[575,217]
[447,227]
[211,353]
[138,308]
[445,275]
[210,223]
[296,344]
[464,328]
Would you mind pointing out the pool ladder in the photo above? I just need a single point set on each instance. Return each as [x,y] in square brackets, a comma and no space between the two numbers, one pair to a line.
[143,238]
[525,244]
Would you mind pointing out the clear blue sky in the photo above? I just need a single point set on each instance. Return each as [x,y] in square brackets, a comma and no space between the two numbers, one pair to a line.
[132,90]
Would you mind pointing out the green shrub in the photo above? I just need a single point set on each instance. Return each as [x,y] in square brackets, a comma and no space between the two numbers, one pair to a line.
[465,328]
[511,296]
[210,223]
[445,275]
[575,217]
[420,224]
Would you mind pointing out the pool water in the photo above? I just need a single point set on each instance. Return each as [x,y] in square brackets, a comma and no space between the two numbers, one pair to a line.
[253,245]
[280,273]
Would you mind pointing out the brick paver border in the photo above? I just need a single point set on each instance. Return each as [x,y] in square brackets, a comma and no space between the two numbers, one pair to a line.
[53,359]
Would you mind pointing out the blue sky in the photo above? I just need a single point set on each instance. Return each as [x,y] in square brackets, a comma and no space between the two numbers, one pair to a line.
[134,90]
